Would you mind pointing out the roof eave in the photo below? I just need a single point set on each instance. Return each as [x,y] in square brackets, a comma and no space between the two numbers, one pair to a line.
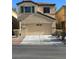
[36,3]
[46,15]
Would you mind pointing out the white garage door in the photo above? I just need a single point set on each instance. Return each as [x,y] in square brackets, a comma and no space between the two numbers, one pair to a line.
[37,29]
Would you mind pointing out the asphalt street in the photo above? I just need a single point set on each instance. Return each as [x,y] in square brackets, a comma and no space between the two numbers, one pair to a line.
[38,52]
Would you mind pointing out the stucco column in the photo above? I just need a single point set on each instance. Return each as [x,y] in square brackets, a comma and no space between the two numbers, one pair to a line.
[53,27]
[20,28]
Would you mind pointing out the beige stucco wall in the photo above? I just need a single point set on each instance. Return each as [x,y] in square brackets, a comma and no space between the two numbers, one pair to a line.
[52,10]
[54,27]
[36,18]
[29,25]
[39,8]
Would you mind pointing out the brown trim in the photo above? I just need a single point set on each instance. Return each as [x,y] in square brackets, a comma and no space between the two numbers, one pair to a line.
[43,4]
[46,4]
[46,15]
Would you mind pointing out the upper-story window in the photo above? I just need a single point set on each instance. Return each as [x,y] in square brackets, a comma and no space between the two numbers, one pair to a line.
[27,9]
[46,10]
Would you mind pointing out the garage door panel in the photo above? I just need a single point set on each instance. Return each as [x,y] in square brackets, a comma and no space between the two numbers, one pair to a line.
[34,29]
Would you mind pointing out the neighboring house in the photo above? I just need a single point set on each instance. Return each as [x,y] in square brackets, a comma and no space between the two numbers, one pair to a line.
[15,23]
[61,19]
[36,18]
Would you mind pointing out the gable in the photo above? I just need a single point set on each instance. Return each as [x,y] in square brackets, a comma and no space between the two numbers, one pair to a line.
[37,18]
[61,14]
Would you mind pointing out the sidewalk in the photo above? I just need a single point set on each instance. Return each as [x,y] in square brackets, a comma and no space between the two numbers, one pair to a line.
[40,40]
[36,40]
[16,40]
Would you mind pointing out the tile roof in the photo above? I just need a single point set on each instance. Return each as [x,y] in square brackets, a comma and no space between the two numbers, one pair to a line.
[39,4]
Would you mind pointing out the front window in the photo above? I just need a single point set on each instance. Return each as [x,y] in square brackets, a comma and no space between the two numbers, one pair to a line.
[28,9]
[46,10]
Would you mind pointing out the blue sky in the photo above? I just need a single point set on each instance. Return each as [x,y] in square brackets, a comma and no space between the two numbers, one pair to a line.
[58,3]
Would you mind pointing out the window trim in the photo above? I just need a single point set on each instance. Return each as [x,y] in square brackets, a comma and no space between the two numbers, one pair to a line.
[21,9]
[33,9]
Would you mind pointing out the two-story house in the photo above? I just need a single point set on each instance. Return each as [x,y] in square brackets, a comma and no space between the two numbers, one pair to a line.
[36,18]
[61,19]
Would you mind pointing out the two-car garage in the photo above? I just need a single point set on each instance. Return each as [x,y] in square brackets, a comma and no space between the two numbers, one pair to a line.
[37,24]
[37,29]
